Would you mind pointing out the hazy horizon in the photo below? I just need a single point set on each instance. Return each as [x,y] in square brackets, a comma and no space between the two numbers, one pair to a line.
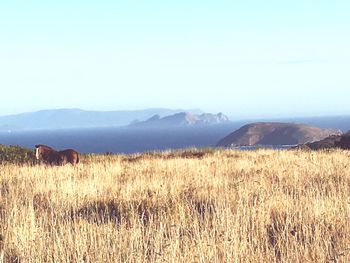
[248,59]
[232,118]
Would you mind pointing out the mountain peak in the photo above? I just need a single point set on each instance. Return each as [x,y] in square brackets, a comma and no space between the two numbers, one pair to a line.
[183,119]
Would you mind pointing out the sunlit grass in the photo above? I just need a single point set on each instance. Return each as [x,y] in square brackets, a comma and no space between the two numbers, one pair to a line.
[192,206]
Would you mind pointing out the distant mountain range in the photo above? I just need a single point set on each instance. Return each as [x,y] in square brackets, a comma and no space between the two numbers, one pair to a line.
[182,119]
[77,118]
[271,133]
[53,119]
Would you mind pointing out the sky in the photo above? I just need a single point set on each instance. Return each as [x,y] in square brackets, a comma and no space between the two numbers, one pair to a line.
[244,58]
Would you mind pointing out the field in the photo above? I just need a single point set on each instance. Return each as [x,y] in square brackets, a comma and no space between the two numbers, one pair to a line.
[189,206]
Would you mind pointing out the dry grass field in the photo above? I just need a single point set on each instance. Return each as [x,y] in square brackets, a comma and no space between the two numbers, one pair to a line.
[192,206]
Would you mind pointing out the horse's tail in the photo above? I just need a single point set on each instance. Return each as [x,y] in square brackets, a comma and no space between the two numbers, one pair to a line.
[77,158]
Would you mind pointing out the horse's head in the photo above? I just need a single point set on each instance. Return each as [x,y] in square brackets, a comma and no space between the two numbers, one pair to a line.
[41,150]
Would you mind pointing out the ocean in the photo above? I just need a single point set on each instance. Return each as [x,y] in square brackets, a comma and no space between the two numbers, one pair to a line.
[120,140]
[132,140]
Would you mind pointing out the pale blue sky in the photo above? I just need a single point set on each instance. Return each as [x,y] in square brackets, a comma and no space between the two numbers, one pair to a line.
[244,58]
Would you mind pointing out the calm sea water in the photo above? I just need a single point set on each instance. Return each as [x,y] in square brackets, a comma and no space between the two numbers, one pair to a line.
[131,140]
[120,140]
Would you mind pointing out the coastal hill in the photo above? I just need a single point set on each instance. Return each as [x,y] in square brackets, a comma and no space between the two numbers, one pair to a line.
[271,133]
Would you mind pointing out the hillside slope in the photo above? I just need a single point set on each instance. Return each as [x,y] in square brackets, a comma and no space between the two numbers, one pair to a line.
[333,141]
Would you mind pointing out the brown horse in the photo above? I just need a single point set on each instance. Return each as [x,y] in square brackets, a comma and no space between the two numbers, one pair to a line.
[52,157]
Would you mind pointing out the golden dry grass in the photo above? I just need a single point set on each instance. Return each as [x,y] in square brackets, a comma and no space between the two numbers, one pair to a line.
[211,206]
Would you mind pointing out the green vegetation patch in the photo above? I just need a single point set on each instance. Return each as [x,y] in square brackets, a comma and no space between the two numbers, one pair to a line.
[16,154]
